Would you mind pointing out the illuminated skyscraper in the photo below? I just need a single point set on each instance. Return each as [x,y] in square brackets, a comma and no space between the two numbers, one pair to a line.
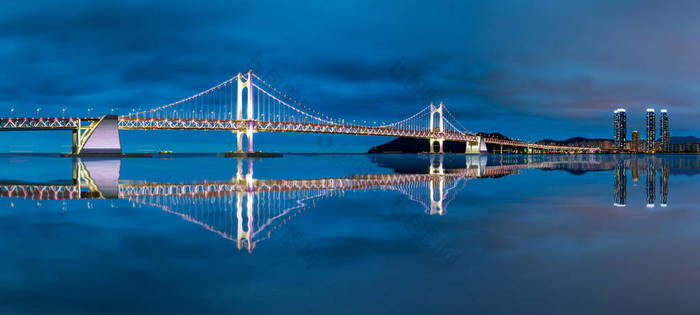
[634,145]
[620,128]
[651,129]
[665,136]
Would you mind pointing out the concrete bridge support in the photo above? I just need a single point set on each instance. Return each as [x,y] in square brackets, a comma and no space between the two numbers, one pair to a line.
[476,147]
[239,140]
[98,138]
[76,140]
[433,141]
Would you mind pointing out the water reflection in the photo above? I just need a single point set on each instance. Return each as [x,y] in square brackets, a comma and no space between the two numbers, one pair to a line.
[248,210]
[620,184]
[649,166]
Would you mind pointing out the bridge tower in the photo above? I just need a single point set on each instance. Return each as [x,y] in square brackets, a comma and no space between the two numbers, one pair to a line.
[437,186]
[440,128]
[250,123]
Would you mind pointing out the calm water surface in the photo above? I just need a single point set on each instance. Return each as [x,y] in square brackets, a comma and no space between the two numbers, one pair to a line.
[349,234]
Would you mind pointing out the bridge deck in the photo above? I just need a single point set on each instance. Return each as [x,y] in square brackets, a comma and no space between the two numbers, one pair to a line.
[125,123]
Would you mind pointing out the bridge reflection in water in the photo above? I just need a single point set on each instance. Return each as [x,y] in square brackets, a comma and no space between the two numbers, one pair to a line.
[248,210]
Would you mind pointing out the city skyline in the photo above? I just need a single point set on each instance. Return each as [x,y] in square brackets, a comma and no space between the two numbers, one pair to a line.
[661,140]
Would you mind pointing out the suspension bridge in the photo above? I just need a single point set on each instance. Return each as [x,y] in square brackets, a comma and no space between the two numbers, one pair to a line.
[246,104]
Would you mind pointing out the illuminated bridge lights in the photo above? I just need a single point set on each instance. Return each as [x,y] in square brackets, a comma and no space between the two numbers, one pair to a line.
[246,104]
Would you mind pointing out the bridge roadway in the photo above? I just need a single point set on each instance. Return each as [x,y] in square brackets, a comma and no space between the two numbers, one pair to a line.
[127,123]
[39,124]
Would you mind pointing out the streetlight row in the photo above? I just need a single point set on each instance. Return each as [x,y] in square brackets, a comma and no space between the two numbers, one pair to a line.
[63,111]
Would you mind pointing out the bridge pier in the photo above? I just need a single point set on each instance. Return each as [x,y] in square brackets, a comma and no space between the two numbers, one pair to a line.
[249,135]
[239,141]
[99,138]
[432,142]
[76,139]
[476,147]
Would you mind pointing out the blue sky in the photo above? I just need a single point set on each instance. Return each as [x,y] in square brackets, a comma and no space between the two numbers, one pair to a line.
[527,69]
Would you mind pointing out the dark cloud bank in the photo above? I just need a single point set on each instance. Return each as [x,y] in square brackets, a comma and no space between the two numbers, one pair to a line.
[530,69]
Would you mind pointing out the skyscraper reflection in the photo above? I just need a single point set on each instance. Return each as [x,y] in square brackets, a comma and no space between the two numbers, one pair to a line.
[649,167]
[665,175]
[651,183]
[634,166]
[620,184]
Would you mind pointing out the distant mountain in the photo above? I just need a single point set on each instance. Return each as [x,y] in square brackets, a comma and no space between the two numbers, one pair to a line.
[688,139]
[576,141]
[494,135]
[413,145]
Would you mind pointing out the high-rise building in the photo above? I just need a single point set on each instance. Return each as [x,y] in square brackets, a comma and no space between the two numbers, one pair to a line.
[651,129]
[620,128]
[634,146]
[665,136]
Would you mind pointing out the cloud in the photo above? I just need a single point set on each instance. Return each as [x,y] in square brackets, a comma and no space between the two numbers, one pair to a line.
[500,65]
